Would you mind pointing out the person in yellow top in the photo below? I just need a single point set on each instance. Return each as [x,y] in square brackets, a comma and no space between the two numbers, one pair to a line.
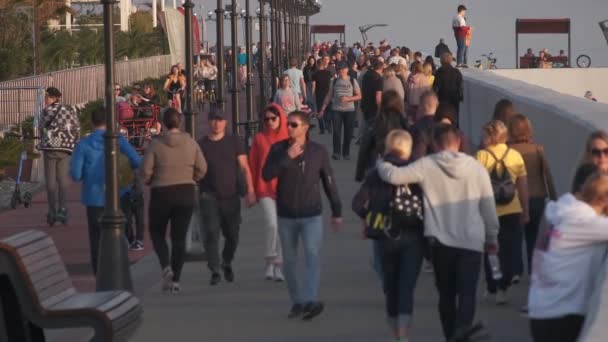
[513,215]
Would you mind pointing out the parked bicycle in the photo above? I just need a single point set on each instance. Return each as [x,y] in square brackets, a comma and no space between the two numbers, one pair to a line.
[486,62]
[583,61]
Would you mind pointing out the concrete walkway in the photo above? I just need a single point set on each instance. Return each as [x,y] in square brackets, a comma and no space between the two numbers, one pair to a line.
[253,309]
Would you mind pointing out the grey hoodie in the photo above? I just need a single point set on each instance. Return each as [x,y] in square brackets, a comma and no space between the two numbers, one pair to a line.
[459,207]
[173,159]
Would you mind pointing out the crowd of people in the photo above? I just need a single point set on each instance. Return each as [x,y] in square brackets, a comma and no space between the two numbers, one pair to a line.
[426,193]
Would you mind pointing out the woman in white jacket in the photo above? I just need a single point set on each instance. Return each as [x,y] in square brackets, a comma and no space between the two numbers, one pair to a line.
[568,255]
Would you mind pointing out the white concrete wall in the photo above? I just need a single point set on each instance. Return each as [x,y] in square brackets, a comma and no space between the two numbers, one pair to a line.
[561,122]
[571,81]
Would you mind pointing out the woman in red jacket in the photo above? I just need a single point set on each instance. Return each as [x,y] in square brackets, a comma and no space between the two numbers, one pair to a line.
[275,130]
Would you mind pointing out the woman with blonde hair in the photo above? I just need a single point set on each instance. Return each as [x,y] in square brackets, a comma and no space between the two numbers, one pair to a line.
[596,150]
[401,258]
[511,203]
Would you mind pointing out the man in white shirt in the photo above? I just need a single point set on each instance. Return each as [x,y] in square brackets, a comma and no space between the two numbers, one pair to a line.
[461,29]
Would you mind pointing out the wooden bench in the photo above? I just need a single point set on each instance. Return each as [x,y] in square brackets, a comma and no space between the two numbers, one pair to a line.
[36,293]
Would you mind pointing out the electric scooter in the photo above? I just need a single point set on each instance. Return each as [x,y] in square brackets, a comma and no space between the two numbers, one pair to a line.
[19,196]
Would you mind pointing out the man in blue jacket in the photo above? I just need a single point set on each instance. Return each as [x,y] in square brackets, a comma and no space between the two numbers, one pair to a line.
[87,165]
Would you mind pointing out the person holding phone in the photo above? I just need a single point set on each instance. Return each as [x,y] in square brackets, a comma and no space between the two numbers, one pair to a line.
[299,165]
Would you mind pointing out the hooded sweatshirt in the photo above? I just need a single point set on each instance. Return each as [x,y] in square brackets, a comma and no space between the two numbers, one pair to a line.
[566,259]
[173,159]
[259,152]
[459,207]
[87,165]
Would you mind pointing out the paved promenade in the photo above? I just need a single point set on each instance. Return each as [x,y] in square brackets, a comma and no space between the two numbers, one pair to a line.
[253,309]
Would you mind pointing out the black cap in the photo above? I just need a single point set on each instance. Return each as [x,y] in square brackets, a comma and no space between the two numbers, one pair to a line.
[53,92]
[216,114]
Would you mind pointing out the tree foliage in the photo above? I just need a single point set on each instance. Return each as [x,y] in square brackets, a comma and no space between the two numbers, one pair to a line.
[61,49]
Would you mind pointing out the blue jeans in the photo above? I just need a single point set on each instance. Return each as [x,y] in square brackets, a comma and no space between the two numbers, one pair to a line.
[461,54]
[311,231]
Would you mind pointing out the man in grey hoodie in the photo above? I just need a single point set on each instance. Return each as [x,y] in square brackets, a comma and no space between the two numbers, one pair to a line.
[459,219]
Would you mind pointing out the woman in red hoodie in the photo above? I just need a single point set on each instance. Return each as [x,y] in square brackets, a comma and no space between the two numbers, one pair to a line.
[275,130]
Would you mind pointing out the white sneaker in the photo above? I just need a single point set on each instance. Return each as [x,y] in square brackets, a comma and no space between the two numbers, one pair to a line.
[269,273]
[278,274]
[167,279]
[501,297]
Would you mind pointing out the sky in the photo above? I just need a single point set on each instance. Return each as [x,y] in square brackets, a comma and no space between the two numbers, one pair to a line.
[420,24]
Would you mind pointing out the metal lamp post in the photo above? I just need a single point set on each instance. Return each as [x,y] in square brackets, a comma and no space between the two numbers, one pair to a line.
[249,85]
[262,66]
[113,271]
[221,68]
[189,115]
[235,76]
[275,45]
[194,243]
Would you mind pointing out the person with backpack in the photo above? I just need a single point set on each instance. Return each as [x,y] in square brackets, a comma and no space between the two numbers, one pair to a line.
[507,172]
[459,222]
[60,134]
[393,217]
[343,93]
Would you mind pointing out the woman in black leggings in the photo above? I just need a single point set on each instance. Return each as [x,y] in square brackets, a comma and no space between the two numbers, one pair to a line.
[172,165]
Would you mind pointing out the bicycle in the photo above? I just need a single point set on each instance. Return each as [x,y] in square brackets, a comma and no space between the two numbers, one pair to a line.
[489,63]
[583,61]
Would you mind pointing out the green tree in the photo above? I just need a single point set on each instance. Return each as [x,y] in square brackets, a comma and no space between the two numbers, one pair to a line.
[59,51]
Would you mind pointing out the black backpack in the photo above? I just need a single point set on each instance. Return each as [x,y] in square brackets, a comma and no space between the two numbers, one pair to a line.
[503,186]
[406,211]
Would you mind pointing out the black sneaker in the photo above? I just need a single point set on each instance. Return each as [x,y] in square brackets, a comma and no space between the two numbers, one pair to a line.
[296,311]
[215,278]
[335,156]
[228,273]
[346,157]
[312,310]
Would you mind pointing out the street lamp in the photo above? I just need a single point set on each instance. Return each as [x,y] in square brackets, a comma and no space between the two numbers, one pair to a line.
[219,51]
[249,85]
[113,272]
[235,77]
[262,64]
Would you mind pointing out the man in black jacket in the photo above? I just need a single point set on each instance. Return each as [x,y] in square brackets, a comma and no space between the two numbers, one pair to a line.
[448,83]
[441,48]
[299,164]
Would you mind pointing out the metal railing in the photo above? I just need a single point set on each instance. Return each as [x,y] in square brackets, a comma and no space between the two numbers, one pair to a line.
[18,104]
[78,86]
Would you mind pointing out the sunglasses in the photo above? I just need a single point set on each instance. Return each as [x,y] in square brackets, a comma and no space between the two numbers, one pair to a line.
[116,89]
[270,118]
[293,124]
[597,152]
